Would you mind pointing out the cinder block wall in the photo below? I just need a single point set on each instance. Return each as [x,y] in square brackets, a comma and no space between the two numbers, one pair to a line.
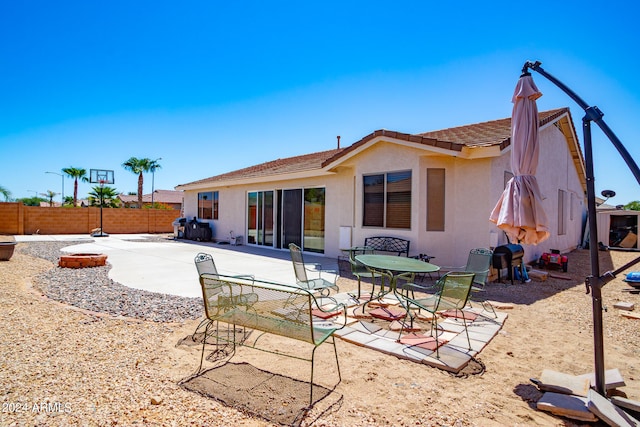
[15,218]
[11,218]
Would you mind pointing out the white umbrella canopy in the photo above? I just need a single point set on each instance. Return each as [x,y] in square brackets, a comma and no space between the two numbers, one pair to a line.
[519,211]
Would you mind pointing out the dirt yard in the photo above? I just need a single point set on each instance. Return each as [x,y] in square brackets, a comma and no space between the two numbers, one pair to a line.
[62,366]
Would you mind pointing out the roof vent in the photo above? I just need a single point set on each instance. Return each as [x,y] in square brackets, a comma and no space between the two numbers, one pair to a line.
[338,141]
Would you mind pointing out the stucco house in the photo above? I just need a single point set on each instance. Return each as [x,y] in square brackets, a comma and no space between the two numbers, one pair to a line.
[435,189]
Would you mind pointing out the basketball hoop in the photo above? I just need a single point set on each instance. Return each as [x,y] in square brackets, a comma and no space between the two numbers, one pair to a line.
[102,177]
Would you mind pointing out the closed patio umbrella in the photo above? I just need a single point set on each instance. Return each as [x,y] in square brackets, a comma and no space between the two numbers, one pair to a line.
[519,210]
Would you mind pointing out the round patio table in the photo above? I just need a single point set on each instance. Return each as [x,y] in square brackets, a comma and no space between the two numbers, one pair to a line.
[395,266]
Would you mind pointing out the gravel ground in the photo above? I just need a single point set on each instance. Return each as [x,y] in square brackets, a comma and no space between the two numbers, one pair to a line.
[76,286]
[65,366]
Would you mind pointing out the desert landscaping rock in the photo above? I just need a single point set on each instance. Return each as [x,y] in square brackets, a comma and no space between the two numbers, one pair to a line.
[91,289]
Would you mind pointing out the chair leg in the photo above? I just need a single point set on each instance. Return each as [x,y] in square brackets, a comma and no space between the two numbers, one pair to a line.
[335,350]
[465,328]
[434,320]
[486,306]
[204,343]
[313,356]
[408,314]
[493,310]
[193,336]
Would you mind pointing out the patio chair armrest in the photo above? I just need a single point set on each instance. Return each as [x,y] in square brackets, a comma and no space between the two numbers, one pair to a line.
[409,277]
[448,268]
[333,273]
[337,306]
[405,288]
[409,286]
[319,272]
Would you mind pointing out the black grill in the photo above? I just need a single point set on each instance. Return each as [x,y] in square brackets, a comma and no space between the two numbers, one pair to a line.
[507,256]
[199,231]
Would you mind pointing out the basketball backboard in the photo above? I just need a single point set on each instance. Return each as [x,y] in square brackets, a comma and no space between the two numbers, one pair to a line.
[101,176]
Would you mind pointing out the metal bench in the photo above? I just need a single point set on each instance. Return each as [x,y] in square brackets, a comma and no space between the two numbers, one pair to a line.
[279,309]
[388,244]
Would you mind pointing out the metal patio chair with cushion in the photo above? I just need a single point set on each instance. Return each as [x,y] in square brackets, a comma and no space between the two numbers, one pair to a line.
[319,283]
[453,293]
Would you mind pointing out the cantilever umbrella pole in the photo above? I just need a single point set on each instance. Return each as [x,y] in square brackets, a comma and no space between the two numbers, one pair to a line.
[595,282]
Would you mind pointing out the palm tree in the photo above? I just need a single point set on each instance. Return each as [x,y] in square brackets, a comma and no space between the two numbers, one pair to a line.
[153,166]
[50,195]
[5,193]
[139,166]
[108,195]
[76,173]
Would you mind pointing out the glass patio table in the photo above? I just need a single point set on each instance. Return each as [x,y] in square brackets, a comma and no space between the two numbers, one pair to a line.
[394,266]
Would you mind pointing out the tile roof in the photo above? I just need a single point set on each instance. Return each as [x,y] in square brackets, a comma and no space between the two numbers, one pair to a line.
[160,196]
[495,132]
[276,167]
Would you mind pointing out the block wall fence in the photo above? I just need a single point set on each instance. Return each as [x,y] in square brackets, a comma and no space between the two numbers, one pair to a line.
[16,218]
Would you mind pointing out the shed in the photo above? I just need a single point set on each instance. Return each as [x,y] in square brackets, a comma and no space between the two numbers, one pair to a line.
[618,228]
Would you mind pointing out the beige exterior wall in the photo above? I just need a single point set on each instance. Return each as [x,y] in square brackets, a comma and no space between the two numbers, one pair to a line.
[380,158]
[467,205]
[473,187]
[233,205]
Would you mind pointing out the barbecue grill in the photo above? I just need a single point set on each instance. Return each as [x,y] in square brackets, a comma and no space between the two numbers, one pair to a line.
[507,256]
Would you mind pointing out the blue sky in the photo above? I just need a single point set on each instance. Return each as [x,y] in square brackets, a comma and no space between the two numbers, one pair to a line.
[210,86]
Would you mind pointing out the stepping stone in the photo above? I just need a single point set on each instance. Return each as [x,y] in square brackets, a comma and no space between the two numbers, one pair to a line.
[358,313]
[423,315]
[467,316]
[623,402]
[399,325]
[574,407]
[629,306]
[612,379]
[423,341]
[366,327]
[608,412]
[323,314]
[389,314]
[559,382]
